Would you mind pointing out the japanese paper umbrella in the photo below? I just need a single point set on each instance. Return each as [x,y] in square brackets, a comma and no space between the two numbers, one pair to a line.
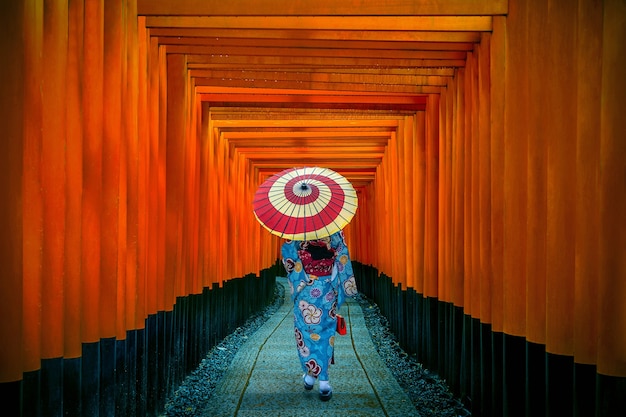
[305,203]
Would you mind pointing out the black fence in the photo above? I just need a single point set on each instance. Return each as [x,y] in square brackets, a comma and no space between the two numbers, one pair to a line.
[134,377]
[493,373]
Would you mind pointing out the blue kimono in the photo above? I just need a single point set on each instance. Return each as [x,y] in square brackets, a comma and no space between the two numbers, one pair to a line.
[320,277]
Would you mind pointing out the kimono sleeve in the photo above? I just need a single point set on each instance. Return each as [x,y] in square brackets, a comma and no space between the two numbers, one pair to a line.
[343,265]
[293,265]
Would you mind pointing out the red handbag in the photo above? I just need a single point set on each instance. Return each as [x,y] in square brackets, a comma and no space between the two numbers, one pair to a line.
[341,325]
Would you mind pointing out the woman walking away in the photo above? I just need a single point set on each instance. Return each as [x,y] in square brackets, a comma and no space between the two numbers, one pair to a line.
[320,277]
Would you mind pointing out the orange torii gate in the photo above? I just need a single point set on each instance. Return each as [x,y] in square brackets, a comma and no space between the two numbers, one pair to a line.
[484,138]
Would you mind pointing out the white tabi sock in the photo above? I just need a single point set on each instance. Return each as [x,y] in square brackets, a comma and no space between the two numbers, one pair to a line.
[309,379]
[325,386]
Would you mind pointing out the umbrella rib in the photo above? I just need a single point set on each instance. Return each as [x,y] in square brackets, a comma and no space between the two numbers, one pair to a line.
[278,210]
[291,217]
[275,213]
[287,177]
[335,208]
[319,207]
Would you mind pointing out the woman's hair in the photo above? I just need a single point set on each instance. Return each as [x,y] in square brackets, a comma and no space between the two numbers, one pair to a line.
[319,250]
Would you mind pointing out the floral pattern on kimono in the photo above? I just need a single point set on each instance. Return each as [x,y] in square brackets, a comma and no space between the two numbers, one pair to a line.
[320,278]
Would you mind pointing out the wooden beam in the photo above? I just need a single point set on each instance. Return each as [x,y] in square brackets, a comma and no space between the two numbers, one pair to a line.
[227,61]
[290,159]
[347,171]
[328,77]
[304,122]
[297,97]
[294,99]
[298,92]
[312,152]
[391,23]
[322,7]
[337,136]
[332,53]
[252,112]
[371,47]
[331,35]
[336,164]
[254,141]
[344,170]
[288,135]
[417,71]
[278,102]
[313,85]
[315,145]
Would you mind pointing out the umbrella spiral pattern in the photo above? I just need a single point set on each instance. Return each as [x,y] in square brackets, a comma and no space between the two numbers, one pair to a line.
[305,203]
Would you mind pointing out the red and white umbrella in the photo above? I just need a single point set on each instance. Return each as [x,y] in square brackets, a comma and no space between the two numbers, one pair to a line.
[305,203]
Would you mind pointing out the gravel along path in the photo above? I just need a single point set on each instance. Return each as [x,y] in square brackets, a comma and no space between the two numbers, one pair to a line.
[429,394]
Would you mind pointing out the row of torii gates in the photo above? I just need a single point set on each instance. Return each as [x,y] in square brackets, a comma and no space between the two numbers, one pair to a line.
[485,139]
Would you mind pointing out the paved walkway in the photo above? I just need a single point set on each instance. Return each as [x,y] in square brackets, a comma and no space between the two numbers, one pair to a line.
[265,378]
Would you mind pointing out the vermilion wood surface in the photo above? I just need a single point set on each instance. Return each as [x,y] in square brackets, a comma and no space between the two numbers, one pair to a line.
[484,138]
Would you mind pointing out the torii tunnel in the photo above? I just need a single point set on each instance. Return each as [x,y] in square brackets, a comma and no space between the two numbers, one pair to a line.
[485,139]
